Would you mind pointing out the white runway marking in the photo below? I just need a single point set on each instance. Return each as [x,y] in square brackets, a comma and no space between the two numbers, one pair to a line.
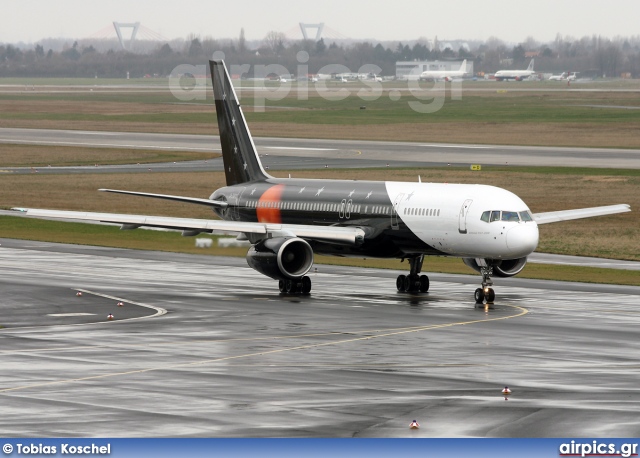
[457,146]
[109,145]
[70,314]
[299,148]
[159,310]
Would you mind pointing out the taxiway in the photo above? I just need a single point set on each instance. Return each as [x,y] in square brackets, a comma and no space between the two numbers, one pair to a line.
[233,358]
[297,153]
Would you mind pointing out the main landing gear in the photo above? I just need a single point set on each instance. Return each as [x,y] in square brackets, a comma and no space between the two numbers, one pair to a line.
[486,293]
[298,286]
[413,282]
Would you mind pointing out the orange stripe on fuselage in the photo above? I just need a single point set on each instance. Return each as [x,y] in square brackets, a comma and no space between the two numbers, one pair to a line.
[268,211]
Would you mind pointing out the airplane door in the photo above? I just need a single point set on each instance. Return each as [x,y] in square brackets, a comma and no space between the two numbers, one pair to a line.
[394,211]
[462,219]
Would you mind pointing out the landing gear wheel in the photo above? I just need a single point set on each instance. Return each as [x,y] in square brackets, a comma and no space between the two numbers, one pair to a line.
[424,284]
[282,286]
[400,283]
[290,286]
[414,282]
[408,284]
[479,295]
[306,285]
[490,296]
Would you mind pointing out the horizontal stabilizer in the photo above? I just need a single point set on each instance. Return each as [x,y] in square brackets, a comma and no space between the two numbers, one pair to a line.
[191,200]
[566,215]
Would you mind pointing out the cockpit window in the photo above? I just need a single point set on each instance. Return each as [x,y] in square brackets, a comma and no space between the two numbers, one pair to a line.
[490,216]
[510,216]
[525,216]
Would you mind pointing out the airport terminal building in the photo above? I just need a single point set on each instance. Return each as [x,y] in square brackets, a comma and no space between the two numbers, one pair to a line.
[404,69]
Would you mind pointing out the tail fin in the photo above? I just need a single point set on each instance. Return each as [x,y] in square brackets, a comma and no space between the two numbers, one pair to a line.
[463,67]
[239,155]
[530,67]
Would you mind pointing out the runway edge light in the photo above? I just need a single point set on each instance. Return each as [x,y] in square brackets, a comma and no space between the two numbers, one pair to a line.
[414,425]
[79,293]
[110,317]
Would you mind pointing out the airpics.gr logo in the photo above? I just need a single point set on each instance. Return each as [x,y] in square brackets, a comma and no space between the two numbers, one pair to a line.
[596,448]
[189,82]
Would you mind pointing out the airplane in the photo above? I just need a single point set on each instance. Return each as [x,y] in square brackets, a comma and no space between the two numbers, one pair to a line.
[564,76]
[446,75]
[288,220]
[560,77]
[518,75]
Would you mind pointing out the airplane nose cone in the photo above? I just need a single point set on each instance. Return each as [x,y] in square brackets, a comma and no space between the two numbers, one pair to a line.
[522,239]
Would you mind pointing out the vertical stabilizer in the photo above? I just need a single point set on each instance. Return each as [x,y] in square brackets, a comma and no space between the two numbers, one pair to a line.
[463,66]
[241,162]
[530,67]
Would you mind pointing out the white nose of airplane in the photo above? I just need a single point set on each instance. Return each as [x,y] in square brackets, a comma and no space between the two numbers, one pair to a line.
[522,239]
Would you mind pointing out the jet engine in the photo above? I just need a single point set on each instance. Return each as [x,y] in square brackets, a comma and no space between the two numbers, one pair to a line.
[281,258]
[501,268]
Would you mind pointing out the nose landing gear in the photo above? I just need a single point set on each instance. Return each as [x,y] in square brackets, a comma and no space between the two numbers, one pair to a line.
[486,292]
[413,282]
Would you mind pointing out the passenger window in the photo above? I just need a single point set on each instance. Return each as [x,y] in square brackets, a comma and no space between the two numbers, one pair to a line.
[510,216]
[525,216]
[495,215]
[485,216]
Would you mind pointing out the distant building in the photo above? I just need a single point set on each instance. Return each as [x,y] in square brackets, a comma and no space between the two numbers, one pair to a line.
[415,68]
[531,54]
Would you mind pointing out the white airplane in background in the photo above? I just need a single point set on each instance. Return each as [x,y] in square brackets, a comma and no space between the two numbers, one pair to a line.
[517,75]
[564,76]
[446,75]
[288,220]
[561,77]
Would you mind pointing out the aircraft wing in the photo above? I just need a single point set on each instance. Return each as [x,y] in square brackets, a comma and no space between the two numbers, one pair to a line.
[330,234]
[566,215]
[191,200]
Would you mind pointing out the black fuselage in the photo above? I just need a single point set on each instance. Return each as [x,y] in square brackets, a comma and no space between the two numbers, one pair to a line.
[365,204]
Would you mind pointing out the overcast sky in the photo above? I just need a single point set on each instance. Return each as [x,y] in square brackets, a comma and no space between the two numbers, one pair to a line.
[511,20]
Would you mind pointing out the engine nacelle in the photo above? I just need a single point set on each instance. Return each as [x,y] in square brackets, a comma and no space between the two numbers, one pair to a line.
[281,258]
[501,268]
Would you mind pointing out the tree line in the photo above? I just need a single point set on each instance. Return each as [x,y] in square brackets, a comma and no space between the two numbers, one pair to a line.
[594,56]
